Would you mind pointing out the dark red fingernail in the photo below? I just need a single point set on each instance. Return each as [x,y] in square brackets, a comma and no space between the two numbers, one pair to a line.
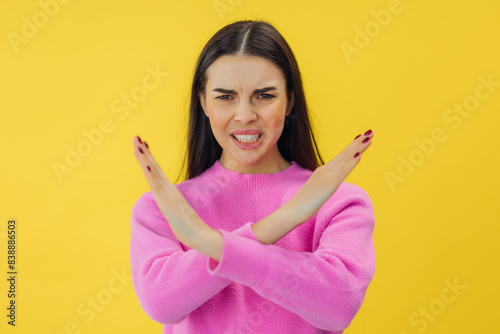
[368,132]
[357,136]
[356,155]
[140,150]
[149,169]
[140,141]
[366,139]
[146,144]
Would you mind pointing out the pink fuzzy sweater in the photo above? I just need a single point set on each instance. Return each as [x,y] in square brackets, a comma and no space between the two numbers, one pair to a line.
[313,280]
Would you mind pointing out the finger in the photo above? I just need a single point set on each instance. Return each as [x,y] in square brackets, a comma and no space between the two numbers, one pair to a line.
[152,161]
[368,133]
[152,178]
[352,156]
[360,144]
[355,148]
[139,154]
[146,160]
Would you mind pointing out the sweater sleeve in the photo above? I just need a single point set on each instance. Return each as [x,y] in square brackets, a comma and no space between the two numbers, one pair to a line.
[168,281]
[326,287]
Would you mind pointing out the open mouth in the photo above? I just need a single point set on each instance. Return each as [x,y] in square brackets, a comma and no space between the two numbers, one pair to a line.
[248,142]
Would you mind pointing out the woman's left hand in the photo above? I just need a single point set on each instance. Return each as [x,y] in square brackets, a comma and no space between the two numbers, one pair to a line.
[186,225]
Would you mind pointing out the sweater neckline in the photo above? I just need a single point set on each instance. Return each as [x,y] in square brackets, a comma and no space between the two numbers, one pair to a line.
[251,181]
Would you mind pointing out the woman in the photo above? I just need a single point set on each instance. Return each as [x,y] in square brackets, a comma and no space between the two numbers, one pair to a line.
[259,238]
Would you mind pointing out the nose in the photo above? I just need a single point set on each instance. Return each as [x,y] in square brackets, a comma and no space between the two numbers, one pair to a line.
[245,112]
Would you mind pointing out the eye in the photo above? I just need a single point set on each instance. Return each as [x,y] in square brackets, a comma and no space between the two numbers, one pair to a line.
[221,97]
[269,96]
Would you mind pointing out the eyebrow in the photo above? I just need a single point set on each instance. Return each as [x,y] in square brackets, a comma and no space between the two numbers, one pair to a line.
[230,91]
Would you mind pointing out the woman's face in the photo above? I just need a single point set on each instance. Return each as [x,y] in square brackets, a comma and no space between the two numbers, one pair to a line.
[247,92]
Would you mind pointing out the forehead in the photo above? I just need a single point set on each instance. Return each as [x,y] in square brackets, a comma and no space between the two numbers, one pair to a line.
[231,71]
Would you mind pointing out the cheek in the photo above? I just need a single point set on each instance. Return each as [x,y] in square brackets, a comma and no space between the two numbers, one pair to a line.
[275,121]
[219,124]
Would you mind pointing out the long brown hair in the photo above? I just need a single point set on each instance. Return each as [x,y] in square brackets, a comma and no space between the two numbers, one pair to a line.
[250,38]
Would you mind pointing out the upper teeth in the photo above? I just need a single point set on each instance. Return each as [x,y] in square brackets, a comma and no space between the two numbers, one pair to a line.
[245,138]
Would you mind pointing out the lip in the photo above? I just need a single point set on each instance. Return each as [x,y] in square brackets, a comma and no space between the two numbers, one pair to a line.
[246,132]
[250,146]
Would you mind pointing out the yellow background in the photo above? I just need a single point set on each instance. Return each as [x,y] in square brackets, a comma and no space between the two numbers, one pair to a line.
[437,224]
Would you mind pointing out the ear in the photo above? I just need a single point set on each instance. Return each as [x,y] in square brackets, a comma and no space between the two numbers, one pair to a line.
[290,105]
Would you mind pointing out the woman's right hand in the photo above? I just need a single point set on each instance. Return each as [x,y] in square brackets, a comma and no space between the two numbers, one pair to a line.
[324,181]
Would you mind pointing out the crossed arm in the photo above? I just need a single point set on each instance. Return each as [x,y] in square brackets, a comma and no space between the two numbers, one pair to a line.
[190,229]
[325,287]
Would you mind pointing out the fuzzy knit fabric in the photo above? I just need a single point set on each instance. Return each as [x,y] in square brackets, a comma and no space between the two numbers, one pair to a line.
[312,280]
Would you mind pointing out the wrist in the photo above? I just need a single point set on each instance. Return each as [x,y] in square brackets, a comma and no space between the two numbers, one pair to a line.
[210,243]
[273,227]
